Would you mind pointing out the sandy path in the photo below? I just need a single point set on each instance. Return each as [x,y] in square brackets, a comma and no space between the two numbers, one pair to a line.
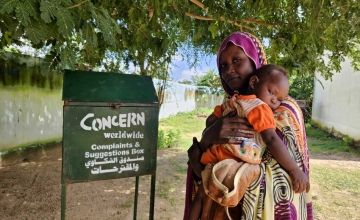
[30,188]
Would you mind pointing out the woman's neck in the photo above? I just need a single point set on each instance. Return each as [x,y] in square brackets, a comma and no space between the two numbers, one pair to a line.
[247,91]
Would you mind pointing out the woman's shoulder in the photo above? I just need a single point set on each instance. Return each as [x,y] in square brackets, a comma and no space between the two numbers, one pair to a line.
[289,104]
[290,108]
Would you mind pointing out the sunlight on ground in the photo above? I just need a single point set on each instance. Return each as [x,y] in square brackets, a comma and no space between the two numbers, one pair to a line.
[335,186]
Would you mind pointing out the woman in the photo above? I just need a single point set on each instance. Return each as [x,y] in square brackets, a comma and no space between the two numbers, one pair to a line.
[271,196]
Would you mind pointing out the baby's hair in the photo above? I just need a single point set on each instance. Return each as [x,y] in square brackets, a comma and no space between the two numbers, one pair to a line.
[265,70]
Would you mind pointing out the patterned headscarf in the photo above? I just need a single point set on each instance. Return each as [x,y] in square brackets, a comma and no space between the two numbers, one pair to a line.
[250,45]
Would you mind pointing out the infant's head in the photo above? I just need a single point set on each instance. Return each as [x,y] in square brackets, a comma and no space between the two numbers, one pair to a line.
[270,84]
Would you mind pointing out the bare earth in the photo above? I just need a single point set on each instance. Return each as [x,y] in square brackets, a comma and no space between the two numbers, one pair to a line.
[30,188]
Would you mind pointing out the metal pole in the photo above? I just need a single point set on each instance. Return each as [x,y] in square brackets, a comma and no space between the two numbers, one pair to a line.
[63,199]
[136,195]
[152,196]
[63,184]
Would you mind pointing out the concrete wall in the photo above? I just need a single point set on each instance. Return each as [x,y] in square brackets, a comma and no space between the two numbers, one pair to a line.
[31,116]
[177,98]
[184,98]
[337,105]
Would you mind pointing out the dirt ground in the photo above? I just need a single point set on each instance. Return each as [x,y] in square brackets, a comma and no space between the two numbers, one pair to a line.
[30,188]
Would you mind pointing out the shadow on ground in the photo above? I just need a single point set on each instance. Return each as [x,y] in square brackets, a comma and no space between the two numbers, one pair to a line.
[31,189]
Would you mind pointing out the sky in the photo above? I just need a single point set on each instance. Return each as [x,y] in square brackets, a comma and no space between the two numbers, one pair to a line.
[181,70]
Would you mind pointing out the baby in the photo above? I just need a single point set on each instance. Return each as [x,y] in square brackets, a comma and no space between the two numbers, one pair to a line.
[230,168]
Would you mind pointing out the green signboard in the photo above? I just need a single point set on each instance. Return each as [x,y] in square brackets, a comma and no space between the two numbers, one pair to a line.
[110,127]
[106,143]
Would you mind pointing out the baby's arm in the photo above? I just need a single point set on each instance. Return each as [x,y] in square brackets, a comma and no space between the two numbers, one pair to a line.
[281,154]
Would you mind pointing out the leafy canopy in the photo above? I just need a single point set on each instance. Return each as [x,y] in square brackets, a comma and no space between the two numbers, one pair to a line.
[210,79]
[302,35]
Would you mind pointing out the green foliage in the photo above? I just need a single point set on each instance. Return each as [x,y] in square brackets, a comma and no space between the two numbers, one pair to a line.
[169,138]
[161,139]
[188,125]
[303,36]
[48,10]
[28,71]
[321,141]
[301,88]
[210,79]
[186,82]
[348,140]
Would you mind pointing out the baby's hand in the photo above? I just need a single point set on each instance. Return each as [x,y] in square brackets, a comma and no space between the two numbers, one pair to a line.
[300,181]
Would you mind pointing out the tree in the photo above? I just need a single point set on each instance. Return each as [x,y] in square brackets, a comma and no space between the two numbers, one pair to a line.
[82,33]
[209,79]
[304,36]
[186,82]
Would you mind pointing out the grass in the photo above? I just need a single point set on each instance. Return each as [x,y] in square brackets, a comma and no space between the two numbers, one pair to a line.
[321,142]
[185,126]
[191,124]
[335,190]
[335,184]
[332,179]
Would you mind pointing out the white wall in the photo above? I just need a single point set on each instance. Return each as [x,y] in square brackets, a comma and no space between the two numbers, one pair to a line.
[31,116]
[337,105]
[178,98]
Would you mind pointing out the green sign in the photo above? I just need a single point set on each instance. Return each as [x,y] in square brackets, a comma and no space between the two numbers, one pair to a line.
[110,128]
[106,143]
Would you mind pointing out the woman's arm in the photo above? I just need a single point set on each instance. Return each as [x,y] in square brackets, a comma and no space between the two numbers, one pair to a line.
[281,154]
[217,131]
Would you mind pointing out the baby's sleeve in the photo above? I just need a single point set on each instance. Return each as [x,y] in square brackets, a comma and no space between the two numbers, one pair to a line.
[261,118]
[218,111]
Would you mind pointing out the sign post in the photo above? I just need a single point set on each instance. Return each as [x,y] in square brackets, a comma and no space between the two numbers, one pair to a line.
[109,130]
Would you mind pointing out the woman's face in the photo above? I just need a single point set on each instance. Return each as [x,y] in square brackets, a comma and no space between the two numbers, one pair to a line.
[235,67]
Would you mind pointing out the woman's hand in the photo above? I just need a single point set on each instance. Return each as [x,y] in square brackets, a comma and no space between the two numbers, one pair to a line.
[225,130]
[299,180]
[218,131]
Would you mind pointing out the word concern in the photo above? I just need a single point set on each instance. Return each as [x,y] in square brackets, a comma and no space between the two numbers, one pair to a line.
[89,122]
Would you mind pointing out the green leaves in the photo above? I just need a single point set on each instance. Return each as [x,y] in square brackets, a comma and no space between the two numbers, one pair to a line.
[65,21]
[8,6]
[35,34]
[23,9]
[148,33]
[48,10]
[210,79]
[213,28]
[106,25]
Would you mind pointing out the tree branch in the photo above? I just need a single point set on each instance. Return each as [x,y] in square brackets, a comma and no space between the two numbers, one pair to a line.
[236,24]
[199,17]
[199,4]
[203,18]
[77,5]
[256,21]
[247,20]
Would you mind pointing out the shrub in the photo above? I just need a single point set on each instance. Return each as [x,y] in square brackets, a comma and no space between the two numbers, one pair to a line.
[168,139]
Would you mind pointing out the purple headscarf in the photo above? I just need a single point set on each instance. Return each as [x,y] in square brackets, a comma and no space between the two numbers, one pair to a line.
[251,46]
